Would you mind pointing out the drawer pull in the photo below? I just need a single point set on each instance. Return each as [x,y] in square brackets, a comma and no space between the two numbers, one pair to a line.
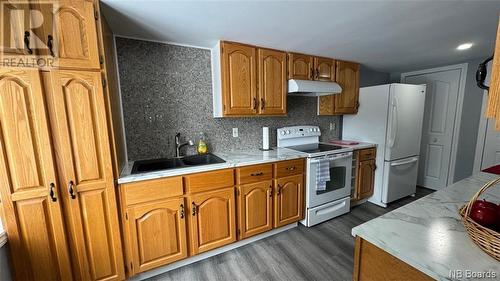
[291,168]
[256,174]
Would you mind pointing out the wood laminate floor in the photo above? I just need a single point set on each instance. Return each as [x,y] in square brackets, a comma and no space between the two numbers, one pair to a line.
[322,252]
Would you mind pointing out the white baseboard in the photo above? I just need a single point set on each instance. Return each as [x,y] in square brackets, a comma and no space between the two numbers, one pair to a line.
[214,252]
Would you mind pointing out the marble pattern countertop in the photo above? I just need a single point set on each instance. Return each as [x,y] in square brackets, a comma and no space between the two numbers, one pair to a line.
[428,234]
[233,159]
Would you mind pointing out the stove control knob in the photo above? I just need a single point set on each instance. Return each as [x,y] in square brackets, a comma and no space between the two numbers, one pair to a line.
[287,132]
[282,133]
[311,129]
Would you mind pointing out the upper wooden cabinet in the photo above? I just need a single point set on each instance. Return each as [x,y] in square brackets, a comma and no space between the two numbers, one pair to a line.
[255,208]
[324,69]
[300,66]
[158,233]
[15,30]
[288,200]
[347,76]
[31,198]
[493,107]
[248,81]
[81,145]
[211,219]
[272,82]
[239,82]
[66,36]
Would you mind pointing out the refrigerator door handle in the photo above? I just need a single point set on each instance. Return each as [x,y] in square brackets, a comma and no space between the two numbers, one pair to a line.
[394,123]
[400,163]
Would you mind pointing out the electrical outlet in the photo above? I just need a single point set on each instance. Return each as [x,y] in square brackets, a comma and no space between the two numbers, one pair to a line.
[332,126]
[235,132]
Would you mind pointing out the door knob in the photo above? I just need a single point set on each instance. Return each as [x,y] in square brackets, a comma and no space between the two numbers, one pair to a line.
[434,140]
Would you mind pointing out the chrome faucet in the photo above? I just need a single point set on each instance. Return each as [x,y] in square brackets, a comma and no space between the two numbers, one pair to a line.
[178,145]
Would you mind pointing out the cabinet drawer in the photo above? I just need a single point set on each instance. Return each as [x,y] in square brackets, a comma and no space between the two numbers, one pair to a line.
[288,168]
[367,154]
[254,173]
[209,180]
[144,191]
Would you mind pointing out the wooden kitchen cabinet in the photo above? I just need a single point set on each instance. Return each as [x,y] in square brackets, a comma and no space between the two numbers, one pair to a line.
[239,80]
[255,208]
[68,33]
[324,69]
[81,145]
[14,27]
[365,175]
[347,76]
[272,88]
[288,200]
[158,233]
[31,197]
[211,219]
[493,104]
[300,66]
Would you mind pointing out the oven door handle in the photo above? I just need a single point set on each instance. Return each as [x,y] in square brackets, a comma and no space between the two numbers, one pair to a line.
[333,158]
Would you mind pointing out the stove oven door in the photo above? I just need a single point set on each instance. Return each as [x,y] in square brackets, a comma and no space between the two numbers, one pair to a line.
[339,185]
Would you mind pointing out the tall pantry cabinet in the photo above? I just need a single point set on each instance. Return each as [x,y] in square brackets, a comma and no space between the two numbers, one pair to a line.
[56,163]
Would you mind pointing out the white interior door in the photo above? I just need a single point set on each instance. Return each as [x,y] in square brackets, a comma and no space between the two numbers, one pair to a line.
[438,128]
[491,151]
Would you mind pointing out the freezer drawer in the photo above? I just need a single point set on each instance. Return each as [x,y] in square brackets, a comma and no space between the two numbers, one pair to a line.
[400,178]
[326,211]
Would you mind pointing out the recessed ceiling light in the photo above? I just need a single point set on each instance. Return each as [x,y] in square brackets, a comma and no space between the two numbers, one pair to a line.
[464,46]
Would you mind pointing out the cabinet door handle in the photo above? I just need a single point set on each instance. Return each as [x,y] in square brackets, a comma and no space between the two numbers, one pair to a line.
[50,42]
[52,193]
[311,74]
[71,190]
[27,42]
[255,103]
[193,208]
[262,104]
[182,211]
[317,73]
[256,174]
[270,190]
[278,192]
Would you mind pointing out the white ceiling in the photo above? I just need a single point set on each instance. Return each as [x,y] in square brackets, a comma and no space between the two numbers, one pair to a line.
[388,36]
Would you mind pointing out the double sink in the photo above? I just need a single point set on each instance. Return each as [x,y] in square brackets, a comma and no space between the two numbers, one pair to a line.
[144,166]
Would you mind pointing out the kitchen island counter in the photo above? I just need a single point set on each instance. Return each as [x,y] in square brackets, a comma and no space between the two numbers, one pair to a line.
[428,234]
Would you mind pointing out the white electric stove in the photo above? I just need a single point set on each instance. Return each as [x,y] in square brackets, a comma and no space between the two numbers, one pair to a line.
[334,200]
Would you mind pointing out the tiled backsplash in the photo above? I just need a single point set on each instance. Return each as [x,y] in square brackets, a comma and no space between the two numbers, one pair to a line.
[167,89]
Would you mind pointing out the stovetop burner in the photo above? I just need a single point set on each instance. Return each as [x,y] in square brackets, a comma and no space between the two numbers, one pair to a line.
[315,147]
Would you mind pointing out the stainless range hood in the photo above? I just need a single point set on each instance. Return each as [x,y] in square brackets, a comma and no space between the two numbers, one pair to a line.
[307,88]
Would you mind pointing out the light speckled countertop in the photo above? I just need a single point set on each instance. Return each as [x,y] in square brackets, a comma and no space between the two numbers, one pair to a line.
[428,234]
[233,159]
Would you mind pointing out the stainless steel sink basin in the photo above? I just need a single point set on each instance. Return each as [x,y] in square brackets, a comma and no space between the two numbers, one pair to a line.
[144,166]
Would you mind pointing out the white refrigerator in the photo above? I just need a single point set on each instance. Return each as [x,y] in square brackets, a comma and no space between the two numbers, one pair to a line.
[390,116]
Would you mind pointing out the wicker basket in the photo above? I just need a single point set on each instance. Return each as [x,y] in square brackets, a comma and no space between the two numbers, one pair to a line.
[487,239]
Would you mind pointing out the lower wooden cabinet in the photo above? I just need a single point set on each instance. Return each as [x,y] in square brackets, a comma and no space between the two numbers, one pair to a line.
[157,233]
[255,208]
[212,219]
[288,200]
[365,174]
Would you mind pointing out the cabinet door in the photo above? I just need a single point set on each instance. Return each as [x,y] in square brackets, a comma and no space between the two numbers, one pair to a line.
[81,144]
[300,66]
[272,82]
[158,233]
[239,87]
[72,26]
[31,216]
[289,200]
[212,219]
[347,77]
[15,23]
[324,69]
[365,179]
[255,208]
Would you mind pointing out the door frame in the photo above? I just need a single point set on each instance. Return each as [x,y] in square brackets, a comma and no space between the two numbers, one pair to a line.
[458,113]
[481,136]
